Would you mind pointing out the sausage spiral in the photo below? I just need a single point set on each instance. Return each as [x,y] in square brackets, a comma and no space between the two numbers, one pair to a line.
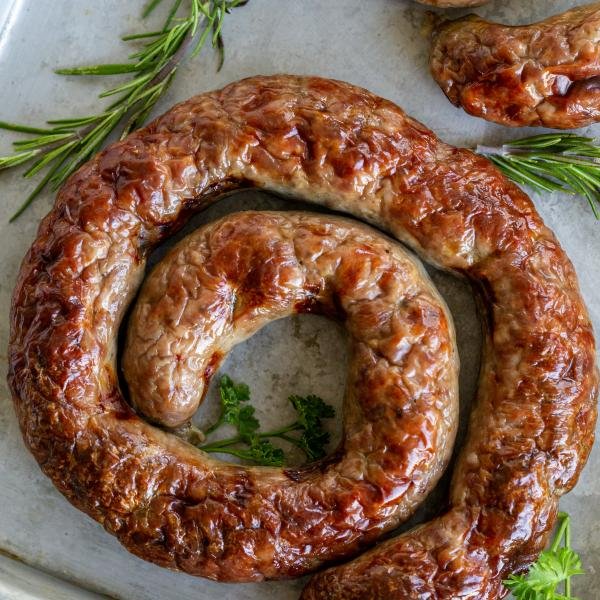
[340,146]
[544,74]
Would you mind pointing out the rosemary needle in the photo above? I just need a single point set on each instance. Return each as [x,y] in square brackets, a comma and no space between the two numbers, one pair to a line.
[551,162]
[63,146]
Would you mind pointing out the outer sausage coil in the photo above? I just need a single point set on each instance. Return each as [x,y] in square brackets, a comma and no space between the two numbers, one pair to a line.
[342,147]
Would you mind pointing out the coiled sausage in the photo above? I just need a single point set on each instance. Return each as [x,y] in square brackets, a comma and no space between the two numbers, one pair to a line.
[347,149]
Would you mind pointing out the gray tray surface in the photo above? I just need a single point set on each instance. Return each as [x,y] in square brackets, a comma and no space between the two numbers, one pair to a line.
[376,44]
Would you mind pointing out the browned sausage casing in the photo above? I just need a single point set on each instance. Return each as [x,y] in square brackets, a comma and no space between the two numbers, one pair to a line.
[544,74]
[338,145]
[229,279]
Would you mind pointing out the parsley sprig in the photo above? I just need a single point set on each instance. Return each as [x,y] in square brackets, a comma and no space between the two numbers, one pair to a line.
[65,144]
[255,446]
[550,162]
[554,568]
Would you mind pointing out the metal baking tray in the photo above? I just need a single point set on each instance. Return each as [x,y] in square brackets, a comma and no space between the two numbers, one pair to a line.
[47,548]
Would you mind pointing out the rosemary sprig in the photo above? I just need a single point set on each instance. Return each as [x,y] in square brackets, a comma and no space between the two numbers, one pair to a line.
[551,162]
[63,146]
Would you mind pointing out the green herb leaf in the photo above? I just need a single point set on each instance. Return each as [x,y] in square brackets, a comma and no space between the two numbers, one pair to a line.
[18,158]
[108,69]
[23,128]
[150,7]
[246,422]
[263,452]
[311,409]
[69,142]
[235,411]
[554,568]
[232,395]
[552,162]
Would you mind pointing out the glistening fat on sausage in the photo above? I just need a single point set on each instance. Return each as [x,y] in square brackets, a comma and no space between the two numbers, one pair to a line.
[345,148]
[547,73]
[227,280]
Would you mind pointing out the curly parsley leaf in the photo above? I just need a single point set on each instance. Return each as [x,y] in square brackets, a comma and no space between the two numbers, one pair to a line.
[311,410]
[263,452]
[232,395]
[253,445]
[247,423]
[554,568]
[233,411]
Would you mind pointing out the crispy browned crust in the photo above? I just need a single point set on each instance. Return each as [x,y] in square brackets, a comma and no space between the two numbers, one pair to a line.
[229,279]
[544,74]
[340,146]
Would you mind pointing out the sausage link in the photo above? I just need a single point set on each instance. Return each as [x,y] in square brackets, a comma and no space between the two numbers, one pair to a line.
[342,147]
[545,74]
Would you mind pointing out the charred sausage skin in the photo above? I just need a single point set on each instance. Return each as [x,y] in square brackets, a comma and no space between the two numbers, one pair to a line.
[347,149]
[545,74]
